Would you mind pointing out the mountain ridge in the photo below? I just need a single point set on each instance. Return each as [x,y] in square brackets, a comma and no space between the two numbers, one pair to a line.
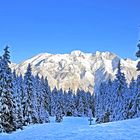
[78,69]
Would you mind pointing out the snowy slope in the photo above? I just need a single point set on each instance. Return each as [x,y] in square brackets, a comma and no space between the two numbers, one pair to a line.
[78,129]
[77,69]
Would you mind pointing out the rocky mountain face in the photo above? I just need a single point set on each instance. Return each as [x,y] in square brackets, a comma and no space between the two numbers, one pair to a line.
[78,70]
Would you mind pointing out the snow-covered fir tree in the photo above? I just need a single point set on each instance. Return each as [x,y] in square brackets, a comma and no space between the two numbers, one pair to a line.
[22,99]
[46,95]
[80,107]
[121,94]
[101,99]
[45,104]
[17,100]
[86,102]
[138,84]
[59,109]
[137,98]
[7,116]
[69,103]
[1,90]
[38,93]
[54,93]
[132,97]
[138,55]
[30,114]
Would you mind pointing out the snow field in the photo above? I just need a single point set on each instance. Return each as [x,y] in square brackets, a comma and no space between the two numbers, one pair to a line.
[78,129]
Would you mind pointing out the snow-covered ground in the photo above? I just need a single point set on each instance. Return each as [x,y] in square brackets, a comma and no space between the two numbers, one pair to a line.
[78,129]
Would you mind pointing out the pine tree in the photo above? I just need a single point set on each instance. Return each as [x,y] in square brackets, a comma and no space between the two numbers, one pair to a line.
[86,102]
[46,95]
[92,103]
[54,99]
[111,96]
[58,109]
[75,114]
[20,85]
[47,117]
[7,104]
[23,99]
[100,103]
[137,98]
[70,106]
[138,84]
[30,114]
[42,99]
[131,106]
[59,113]
[17,100]
[38,99]
[80,108]
[120,91]
[138,55]
[1,90]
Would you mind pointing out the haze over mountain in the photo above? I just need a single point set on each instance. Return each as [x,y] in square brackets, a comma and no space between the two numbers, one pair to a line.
[78,69]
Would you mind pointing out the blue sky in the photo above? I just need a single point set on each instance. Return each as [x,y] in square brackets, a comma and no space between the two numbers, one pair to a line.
[30,27]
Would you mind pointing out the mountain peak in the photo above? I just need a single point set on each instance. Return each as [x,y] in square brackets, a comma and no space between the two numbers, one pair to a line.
[76,52]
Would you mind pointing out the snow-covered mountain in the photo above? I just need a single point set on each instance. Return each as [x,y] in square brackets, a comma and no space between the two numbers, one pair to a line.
[77,69]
